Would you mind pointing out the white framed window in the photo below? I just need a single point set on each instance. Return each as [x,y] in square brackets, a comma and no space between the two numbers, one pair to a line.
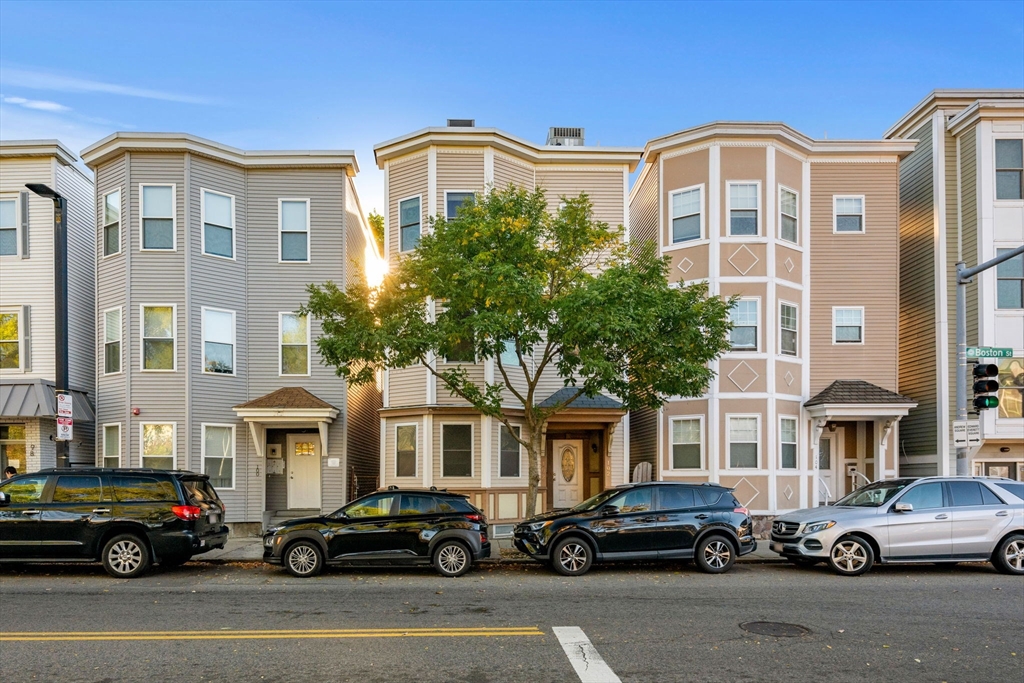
[848,325]
[510,452]
[848,214]
[218,341]
[9,242]
[12,339]
[788,326]
[218,219]
[744,318]
[158,445]
[1010,282]
[112,330]
[293,351]
[293,221]
[158,222]
[409,222]
[788,436]
[509,358]
[687,206]
[1010,169]
[744,434]
[687,434]
[453,201]
[218,448]
[789,224]
[112,223]
[744,209]
[159,337]
[112,445]
[406,456]
[456,450]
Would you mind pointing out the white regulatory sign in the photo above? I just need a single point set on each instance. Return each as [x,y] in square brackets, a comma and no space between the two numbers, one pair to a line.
[64,405]
[966,433]
[65,428]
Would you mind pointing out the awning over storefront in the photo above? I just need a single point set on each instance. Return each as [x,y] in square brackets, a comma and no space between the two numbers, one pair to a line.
[854,399]
[37,398]
[289,407]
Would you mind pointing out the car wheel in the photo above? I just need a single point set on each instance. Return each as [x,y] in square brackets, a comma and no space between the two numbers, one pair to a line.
[452,558]
[125,556]
[1009,557]
[303,559]
[175,560]
[714,555]
[572,557]
[851,556]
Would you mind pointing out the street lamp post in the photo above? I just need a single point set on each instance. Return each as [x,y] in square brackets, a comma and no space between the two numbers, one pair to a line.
[60,292]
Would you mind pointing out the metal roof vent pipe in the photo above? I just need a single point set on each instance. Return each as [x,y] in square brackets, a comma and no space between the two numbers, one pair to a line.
[461,123]
[565,137]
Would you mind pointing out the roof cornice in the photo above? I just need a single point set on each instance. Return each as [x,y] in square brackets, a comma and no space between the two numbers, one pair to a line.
[985,109]
[946,99]
[38,148]
[120,142]
[506,142]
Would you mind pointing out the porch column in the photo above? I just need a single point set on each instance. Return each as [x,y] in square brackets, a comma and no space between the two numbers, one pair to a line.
[817,427]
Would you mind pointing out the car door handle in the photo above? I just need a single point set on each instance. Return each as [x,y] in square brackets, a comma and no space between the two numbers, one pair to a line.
[30,512]
[701,516]
[101,511]
[647,520]
[942,516]
[1002,513]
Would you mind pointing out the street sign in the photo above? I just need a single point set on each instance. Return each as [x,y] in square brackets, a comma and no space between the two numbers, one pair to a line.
[973,433]
[966,433]
[65,429]
[989,352]
[64,405]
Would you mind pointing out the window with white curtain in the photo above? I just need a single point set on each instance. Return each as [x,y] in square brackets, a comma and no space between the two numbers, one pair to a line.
[744,435]
[219,455]
[743,316]
[295,230]
[158,217]
[787,442]
[687,443]
[218,341]
[848,325]
[112,223]
[788,228]
[686,215]
[218,224]
[848,214]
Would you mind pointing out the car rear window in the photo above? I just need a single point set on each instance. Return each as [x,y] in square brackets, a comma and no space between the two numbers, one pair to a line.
[456,505]
[675,497]
[201,490]
[130,489]
[1011,488]
[77,490]
[966,493]
[713,496]
[418,505]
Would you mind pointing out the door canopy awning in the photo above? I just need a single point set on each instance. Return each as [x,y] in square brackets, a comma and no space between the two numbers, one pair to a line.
[288,407]
[38,398]
[857,399]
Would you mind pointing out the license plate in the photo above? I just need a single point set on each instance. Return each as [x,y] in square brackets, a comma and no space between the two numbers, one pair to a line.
[214,519]
[777,547]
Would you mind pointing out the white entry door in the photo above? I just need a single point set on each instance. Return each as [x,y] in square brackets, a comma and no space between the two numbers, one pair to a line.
[567,466]
[303,472]
[830,462]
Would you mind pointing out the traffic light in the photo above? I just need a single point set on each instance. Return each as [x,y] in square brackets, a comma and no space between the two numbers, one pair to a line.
[984,385]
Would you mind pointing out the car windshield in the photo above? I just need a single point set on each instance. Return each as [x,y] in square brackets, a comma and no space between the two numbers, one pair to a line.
[874,495]
[596,501]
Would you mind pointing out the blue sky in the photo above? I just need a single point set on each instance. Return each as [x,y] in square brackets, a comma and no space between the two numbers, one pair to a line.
[349,75]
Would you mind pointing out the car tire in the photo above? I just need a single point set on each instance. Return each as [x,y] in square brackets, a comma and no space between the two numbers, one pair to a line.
[851,556]
[572,557]
[714,555]
[1009,556]
[172,561]
[303,559]
[452,558]
[125,556]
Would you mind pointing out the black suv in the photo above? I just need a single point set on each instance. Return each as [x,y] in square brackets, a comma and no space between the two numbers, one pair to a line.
[124,518]
[648,521]
[387,527]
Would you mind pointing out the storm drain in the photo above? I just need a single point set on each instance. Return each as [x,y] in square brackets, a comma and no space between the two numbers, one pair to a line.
[775,628]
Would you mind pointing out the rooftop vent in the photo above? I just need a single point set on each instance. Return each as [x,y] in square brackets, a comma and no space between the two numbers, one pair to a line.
[565,137]
[461,123]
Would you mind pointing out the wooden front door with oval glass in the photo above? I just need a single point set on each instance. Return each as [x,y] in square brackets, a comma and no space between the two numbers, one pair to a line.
[303,472]
[568,469]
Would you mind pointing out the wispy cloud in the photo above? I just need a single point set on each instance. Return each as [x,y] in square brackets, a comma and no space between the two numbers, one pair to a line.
[41,80]
[41,105]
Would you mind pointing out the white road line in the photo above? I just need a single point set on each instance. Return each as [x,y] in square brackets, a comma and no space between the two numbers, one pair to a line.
[583,656]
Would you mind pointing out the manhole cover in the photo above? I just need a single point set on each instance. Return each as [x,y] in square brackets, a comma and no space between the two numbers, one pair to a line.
[775,628]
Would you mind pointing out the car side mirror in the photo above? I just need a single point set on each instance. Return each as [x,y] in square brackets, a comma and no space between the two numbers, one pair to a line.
[4,500]
[904,507]
[609,510]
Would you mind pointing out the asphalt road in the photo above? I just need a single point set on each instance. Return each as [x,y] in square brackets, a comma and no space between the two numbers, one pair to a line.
[648,623]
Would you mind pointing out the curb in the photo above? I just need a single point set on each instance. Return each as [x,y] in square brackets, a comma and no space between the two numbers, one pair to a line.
[488,561]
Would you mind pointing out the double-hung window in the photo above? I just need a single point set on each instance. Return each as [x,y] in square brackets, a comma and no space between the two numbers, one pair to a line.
[218,341]
[158,445]
[10,340]
[218,224]
[158,218]
[158,338]
[1010,281]
[405,450]
[409,224]
[508,452]
[219,455]
[1009,169]
[743,208]
[848,325]
[787,329]
[686,215]
[456,450]
[788,225]
[8,227]
[294,215]
[509,357]
[687,443]
[743,316]
[453,201]
[112,445]
[848,214]
[294,344]
[787,443]
[744,438]
[112,341]
[112,223]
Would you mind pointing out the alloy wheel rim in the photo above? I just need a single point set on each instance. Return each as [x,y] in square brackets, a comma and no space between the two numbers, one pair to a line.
[302,559]
[452,559]
[573,557]
[717,554]
[125,557]
[1015,555]
[849,556]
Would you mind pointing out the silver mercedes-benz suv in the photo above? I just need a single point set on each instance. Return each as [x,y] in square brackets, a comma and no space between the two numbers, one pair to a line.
[933,519]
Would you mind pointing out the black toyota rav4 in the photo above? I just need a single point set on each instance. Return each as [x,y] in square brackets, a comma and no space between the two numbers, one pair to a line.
[124,518]
[388,527]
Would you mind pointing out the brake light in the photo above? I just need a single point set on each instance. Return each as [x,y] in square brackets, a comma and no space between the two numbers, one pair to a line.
[742,511]
[189,513]
[473,517]
[483,538]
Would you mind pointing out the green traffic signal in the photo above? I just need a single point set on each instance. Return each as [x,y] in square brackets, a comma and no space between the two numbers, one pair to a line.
[984,385]
[983,402]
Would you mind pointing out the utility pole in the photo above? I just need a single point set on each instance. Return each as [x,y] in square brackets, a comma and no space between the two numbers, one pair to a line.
[964,276]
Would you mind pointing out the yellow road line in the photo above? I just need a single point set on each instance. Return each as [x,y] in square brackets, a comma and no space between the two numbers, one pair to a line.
[294,634]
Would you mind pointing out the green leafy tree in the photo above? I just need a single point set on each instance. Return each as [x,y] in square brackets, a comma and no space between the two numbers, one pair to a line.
[561,291]
[377,228]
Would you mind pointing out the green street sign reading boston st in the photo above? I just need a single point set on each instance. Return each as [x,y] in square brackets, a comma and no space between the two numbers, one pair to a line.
[988,352]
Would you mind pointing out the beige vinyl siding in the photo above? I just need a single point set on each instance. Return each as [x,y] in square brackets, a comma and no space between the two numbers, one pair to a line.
[739,164]
[643,210]
[458,170]
[406,178]
[643,438]
[917,371]
[603,186]
[969,227]
[512,171]
[678,172]
[855,270]
[407,386]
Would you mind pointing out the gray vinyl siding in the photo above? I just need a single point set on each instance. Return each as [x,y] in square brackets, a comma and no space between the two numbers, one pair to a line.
[917,371]
[969,227]
[81,276]
[643,438]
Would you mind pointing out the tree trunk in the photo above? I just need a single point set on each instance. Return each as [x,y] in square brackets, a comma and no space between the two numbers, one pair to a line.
[534,451]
